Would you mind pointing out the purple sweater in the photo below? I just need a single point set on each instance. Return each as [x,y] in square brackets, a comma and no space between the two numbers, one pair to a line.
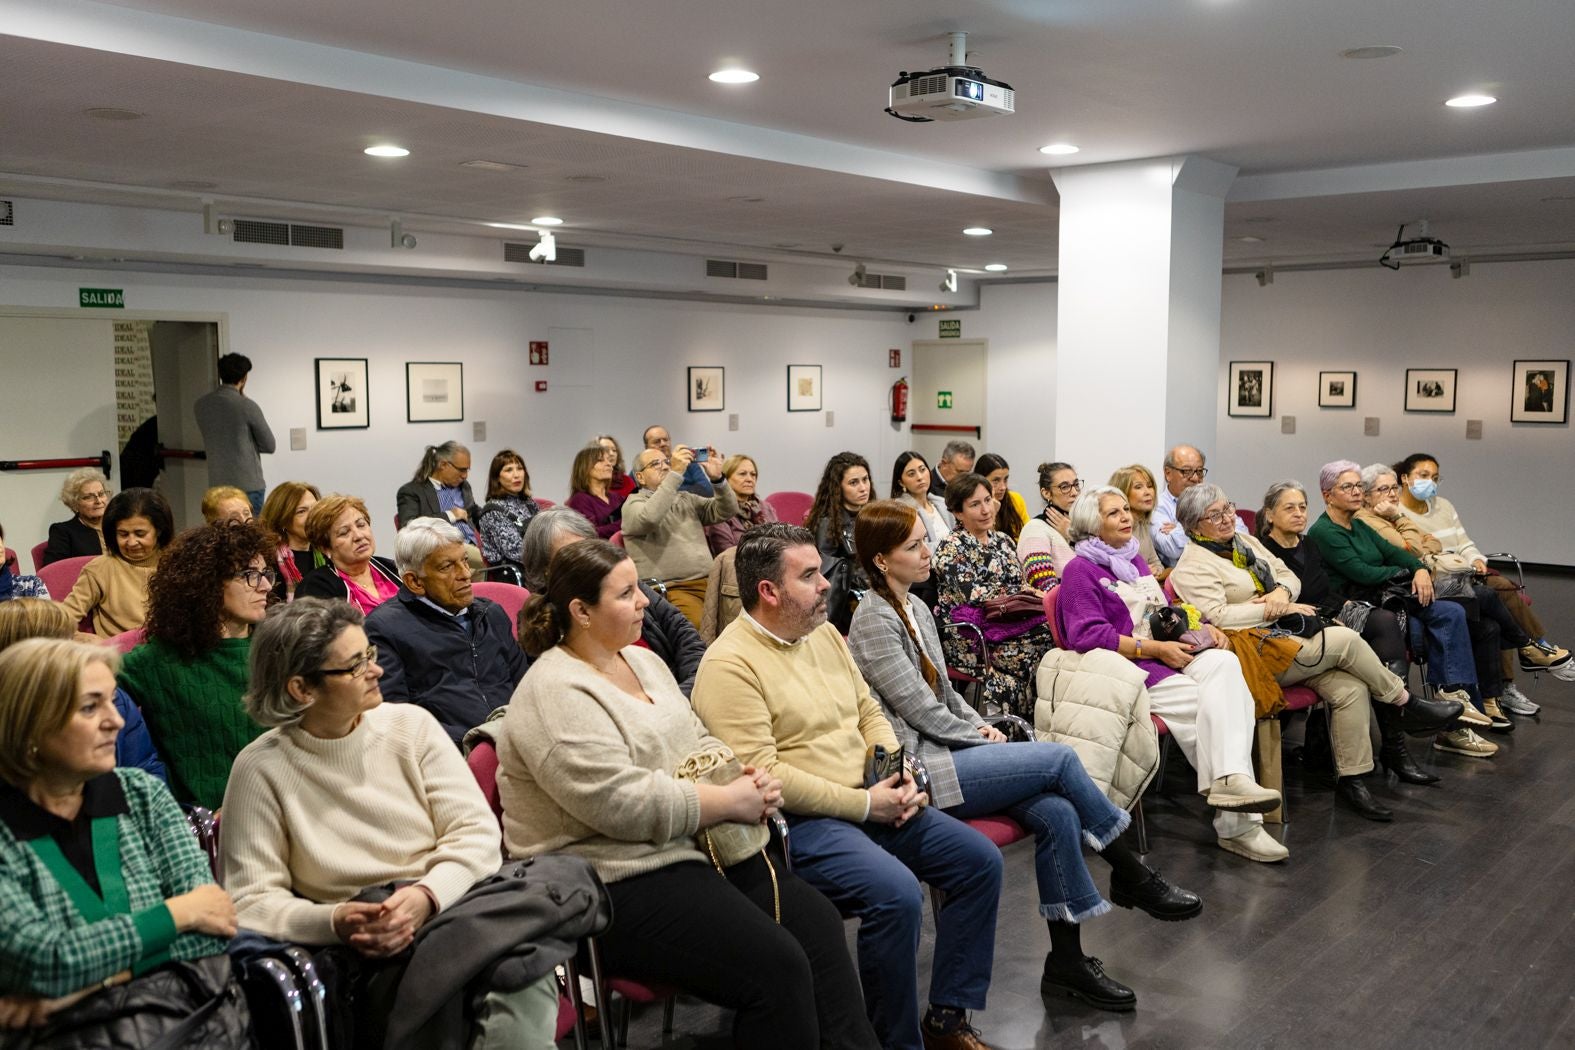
[1089,614]
[600,512]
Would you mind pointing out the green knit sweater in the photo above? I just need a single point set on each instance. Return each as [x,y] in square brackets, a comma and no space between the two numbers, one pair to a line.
[1358,559]
[194,712]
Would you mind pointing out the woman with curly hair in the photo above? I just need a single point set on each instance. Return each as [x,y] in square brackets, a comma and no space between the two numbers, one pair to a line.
[844,489]
[190,675]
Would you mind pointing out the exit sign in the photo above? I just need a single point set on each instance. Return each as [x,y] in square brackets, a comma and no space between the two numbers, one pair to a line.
[951,329]
[102,298]
[943,399]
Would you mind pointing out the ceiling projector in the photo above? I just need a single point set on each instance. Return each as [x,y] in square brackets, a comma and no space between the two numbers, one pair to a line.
[956,91]
[1420,249]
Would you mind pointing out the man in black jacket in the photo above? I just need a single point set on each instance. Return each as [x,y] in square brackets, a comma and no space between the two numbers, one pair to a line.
[440,646]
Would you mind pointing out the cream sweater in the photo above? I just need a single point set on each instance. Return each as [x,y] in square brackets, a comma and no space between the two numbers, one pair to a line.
[1443,522]
[310,823]
[586,768]
[113,593]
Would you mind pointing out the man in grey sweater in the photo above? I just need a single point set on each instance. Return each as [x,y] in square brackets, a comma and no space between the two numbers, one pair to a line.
[664,529]
[234,431]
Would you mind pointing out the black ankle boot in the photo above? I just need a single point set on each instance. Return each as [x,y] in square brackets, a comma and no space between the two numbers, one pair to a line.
[1085,979]
[1353,792]
[1392,755]
[1423,717]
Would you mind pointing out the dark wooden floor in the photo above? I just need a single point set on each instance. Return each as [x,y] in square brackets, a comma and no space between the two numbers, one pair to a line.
[1453,927]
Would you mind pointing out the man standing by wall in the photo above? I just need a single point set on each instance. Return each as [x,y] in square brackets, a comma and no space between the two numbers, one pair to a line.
[234,431]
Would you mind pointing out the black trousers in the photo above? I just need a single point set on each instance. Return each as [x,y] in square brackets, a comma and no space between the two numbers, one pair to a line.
[791,986]
[1382,632]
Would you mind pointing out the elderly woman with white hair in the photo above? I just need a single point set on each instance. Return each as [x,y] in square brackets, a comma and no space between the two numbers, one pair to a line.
[345,792]
[1106,595]
[1236,584]
[1364,567]
[86,495]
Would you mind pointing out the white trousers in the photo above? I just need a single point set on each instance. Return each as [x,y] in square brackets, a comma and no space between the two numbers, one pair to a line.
[1211,715]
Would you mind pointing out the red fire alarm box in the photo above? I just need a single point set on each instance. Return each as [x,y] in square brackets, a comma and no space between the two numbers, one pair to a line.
[538,354]
[541,386]
[894,358]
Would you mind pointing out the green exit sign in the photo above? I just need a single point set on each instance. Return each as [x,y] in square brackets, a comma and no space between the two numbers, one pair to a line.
[951,329]
[943,399]
[102,298]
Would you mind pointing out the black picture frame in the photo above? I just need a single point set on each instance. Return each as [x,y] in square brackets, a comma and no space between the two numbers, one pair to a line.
[434,392]
[707,388]
[1336,389]
[805,388]
[1431,390]
[1544,406]
[1249,393]
[343,401]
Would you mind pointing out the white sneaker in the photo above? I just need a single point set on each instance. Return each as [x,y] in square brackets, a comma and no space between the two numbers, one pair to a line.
[1257,845]
[1516,702]
[1564,671]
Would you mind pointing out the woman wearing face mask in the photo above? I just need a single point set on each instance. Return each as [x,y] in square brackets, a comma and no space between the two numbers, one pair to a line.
[843,491]
[1137,483]
[1011,513]
[112,591]
[1046,534]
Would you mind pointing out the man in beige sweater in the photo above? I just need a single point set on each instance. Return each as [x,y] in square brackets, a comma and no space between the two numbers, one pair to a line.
[664,529]
[780,688]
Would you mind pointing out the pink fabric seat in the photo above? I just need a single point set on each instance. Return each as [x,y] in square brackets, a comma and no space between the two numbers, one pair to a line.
[509,597]
[38,556]
[791,507]
[999,829]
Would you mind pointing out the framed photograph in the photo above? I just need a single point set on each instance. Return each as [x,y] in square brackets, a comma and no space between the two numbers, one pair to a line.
[1540,392]
[707,389]
[341,394]
[804,388]
[1336,389]
[1251,390]
[434,391]
[1430,389]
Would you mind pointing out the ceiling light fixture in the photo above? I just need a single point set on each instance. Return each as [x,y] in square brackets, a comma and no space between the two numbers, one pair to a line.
[1372,51]
[978,231]
[856,278]
[949,283]
[511,226]
[1249,239]
[397,237]
[547,220]
[112,113]
[995,267]
[1470,101]
[491,165]
[585,178]
[734,75]
[386,151]
[1059,149]
[546,249]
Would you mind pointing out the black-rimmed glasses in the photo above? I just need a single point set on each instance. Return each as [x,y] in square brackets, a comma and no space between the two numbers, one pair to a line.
[356,669]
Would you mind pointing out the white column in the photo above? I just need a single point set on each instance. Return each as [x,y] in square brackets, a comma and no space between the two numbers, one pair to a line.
[1138,310]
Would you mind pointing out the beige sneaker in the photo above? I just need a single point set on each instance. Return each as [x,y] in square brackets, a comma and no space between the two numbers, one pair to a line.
[1534,657]
[1239,793]
[1464,742]
[1470,716]
[1256,845]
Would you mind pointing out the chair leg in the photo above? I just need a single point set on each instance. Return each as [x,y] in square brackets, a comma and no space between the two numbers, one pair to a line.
[604,1006]
[1142,828]
[667,1017]
[571,974]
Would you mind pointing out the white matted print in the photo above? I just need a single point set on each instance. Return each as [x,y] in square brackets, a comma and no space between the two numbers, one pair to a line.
[1430,389]
[1336,389]
[434,391]
[803,388]
[707,388]
[1540,392]
[1251,389]
[341,394]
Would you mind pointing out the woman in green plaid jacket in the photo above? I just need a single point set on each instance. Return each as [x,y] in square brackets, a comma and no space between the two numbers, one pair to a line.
[101,878]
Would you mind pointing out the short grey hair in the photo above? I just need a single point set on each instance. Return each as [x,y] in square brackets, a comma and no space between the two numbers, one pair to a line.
[1084,517]
[541,535]
[954,449]
[78,480]
[419,540]
[293,640]
[1373,472]
[1191,504]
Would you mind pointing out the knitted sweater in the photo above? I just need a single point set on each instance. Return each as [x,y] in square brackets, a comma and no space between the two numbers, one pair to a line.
[194,712]
[1357,559]
[664,529]
[587,768]
[801,711]
[309,823]
[113,593]
[1442,521]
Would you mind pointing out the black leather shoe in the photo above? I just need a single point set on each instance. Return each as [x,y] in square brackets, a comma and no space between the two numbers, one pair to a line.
[1157,897]
[1398,761]
[1353,792]
[1086,980]
[1421,716]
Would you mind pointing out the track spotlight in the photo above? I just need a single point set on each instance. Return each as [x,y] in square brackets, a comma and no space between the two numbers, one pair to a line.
[950,283]
[1461,267]
[546,249]
[856,278]
[1266,275]
[397,237]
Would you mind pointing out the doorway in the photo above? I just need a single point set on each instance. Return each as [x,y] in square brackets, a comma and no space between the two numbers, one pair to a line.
[949,392]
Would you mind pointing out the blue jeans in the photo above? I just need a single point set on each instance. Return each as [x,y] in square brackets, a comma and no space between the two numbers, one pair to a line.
[1044,787]
[872,872]
[1448,640]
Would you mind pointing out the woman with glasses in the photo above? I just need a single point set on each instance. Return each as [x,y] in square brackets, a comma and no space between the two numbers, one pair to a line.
[344,792]
[1045,536]
[86,495]
[190,674]
[591,492]
[1236,584]
[341,529]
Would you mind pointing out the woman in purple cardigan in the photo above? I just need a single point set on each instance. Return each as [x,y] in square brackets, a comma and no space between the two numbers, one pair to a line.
[590,482]
[1107,593]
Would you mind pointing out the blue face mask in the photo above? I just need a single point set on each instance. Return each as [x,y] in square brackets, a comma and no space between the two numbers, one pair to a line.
[1424,489]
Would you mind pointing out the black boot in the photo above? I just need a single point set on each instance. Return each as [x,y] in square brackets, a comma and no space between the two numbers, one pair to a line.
[1392,755]
[1154,895]
[1353,792]
[1423,717]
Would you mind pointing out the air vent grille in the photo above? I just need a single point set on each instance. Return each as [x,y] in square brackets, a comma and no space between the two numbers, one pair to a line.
[252,231]
[520,253]
[890,282]
[926,85]
[317,236]
[743,271]
[7,214]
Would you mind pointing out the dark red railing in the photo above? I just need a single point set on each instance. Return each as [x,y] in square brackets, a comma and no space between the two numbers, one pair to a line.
[101,461]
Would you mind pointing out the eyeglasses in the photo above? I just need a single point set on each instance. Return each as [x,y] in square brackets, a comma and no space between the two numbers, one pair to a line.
[1349,487]
[654,464]
[456,466]
[1220,517]
[255,577]
[356,669]
[95,497]
[1386,490]
[1069,487]
[1192,473]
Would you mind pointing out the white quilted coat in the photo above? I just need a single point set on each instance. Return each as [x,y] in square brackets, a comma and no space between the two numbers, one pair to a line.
[1096,704]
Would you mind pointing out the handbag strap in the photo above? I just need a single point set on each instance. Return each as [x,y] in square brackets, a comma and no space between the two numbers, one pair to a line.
[776,888]
[176,1038]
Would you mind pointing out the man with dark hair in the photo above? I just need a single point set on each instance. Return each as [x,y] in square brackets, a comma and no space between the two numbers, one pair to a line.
[234,431]
[956,460]
[780,688]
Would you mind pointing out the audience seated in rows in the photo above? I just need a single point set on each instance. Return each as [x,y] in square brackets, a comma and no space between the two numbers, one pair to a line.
[591,492]
[101,879]
[1136,483]
[111,593]
[14,583]
[1104,602]
[1042,545]
[974,772]
[86,495]
[978,565]
[340,528]
[1237,585]
[664,528]
[441,647]
[284,515]
[702,473]
[664,630]
[910,484]
[190,674]
[439,489]
[226,503]
[956,459]
[508,510]
[343,792]
[587,755]
[1011,513]
[743,477]
[843,491]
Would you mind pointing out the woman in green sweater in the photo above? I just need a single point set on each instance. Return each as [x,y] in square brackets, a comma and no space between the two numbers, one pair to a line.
[211,589]
[101,880]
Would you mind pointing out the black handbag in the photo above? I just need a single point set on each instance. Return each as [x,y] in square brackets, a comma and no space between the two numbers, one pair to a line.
[1301,625]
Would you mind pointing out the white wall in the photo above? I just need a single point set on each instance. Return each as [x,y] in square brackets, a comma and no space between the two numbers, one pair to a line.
[629,372]
[1019,320]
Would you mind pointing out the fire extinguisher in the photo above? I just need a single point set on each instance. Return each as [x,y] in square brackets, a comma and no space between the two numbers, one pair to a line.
[899,400]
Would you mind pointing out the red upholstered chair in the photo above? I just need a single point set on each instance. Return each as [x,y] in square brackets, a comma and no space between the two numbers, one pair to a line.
[511,598]
[616,539]
[1248,518]
[544,504]
[128,640]
[38,556]
[62,575]
[791,507]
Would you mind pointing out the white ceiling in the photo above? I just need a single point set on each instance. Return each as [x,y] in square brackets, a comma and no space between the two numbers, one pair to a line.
[1254,83]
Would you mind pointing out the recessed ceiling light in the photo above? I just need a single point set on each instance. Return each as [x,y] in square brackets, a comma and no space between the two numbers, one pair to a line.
[585,178]
[734,75]
[1470,101]
[978,231]
[491,165]
[1373,51]
[112,113]
[1250,240]
[547,220]
[995,267]
[386,151]
[1059,149]
[511,226]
